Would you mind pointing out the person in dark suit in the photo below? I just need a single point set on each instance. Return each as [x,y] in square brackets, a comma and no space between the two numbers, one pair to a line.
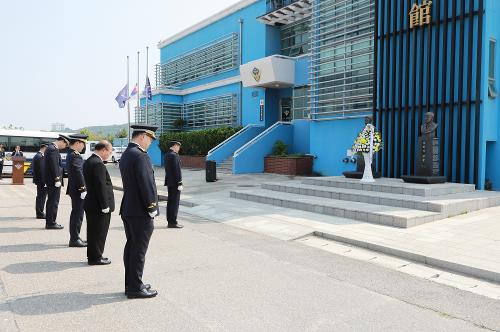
[76,188]
[54,180]
[17,152]
[138,208]
[99,202]
[2,157]
[173,181]
[38,168]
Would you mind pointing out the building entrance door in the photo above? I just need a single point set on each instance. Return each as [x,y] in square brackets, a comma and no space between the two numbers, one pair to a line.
[286,109]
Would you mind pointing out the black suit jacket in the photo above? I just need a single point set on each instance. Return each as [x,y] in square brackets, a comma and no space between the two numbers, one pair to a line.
[139,188]
[74,165]
[173,174]
[99,187]
[38,168]
[16,154]
[53,166]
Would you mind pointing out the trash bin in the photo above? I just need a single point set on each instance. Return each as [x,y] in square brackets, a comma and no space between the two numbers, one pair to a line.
[211,171]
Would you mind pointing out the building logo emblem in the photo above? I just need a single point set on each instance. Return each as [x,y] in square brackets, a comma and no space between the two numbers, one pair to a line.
[256,74]
[18,166]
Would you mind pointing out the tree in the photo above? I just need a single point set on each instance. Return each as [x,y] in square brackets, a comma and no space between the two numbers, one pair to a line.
[91,135]
[122,133]
[179,124]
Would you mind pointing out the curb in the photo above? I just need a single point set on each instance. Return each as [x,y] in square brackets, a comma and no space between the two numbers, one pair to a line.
[419,258]
[162,197]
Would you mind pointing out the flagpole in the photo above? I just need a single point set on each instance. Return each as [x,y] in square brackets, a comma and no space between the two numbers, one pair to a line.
[138,94]
[128,98]
[147,63]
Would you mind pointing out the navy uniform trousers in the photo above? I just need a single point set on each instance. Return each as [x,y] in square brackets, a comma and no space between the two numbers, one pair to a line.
[54,194]
[138,231]
[76,217]
[174,197]
[41,196]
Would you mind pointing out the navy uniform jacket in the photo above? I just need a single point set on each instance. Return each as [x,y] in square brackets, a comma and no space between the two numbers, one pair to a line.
[173,175]
[76,182]
[38,167]
[99,187]
[53,165]
[139,188]
[2,156]
[16,154]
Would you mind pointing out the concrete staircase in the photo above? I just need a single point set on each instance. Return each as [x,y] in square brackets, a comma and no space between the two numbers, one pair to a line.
[226,166]
[388,202]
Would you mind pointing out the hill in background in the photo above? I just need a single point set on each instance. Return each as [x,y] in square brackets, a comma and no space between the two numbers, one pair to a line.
[106,130]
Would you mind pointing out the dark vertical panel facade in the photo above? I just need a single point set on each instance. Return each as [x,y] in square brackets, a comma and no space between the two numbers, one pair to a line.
[430,68]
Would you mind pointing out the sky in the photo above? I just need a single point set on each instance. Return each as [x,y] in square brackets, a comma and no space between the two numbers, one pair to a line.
[65,60]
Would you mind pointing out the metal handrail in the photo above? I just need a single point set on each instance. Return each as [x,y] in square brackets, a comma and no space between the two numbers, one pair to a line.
[233,136]
[268,130]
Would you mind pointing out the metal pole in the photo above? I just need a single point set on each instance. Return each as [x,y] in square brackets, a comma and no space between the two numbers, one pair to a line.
[128,98]
[138,94]
[147,63]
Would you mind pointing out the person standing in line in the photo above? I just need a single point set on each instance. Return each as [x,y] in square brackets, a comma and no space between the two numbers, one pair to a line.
[38,168]
[138,208]
[17,152]
[173,181]
[2,157]
[76,188]
[99,202]
[54,180]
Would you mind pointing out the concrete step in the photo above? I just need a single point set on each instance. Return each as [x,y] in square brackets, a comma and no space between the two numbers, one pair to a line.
[394,186]
[365,212]
[449,205]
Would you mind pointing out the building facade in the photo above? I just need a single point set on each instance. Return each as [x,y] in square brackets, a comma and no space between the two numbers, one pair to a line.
[307,72]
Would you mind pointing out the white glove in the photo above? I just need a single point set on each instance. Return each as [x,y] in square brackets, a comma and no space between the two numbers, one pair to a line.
[83,195]
[153,214]
[106,210]
[45,186]
[180,188]
[58,184]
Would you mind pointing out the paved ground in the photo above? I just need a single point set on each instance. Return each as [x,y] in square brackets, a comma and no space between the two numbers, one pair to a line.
[461,242]
[212,277]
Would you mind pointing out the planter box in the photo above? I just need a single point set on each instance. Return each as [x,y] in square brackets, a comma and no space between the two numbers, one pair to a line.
[288,165]
[193,161]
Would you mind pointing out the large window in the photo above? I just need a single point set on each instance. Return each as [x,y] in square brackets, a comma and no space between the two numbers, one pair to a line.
[162,115]
[342,58]
[218,56]
[295,38]
[301,108]
[492,83]
[211,113]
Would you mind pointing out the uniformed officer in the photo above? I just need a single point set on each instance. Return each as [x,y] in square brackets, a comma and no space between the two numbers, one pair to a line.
[76,188]
[2,157]
[54,180]
[138,208]
[38,168]
[173,181]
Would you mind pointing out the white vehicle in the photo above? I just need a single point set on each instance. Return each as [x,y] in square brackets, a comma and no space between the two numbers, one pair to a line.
[89,149]
[117,153]
[29,141]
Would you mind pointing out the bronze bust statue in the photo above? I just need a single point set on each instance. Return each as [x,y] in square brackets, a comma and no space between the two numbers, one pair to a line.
[429,127]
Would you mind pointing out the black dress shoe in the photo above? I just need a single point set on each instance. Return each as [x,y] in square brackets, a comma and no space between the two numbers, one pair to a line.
[77,244]
[102,261]
[42,216]
[175,226]
[142,294]
[54,226]
[147,286]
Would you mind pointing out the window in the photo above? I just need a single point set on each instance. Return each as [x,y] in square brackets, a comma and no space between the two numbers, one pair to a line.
[295,38]
[492,88]
[214,112]
[27,144]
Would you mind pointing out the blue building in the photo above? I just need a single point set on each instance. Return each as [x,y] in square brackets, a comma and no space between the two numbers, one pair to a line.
[307,72]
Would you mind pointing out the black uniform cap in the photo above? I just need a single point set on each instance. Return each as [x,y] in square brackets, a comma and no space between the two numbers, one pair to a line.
[172,143]
[147,129]
[78,138]
[63,138]
[44,145]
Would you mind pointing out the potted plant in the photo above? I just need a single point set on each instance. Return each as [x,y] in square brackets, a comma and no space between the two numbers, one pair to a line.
[281,162]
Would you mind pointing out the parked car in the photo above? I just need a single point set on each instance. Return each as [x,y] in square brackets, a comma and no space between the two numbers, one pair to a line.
[117,153]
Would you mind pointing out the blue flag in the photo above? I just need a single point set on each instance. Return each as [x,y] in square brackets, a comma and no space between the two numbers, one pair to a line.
[122,97]
[147,89]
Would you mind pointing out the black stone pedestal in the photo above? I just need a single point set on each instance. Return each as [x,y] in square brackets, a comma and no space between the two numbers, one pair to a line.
[427,162]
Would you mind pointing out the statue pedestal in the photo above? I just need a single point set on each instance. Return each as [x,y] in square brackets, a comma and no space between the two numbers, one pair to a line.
[427,162]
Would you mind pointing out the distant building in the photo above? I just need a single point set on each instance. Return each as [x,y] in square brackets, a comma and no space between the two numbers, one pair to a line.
[58,127]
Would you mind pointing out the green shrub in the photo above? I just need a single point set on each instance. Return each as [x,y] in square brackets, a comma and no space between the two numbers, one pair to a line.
[197,143]
[280,149]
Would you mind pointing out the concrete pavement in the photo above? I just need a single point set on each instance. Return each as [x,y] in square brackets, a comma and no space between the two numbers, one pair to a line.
[212,277]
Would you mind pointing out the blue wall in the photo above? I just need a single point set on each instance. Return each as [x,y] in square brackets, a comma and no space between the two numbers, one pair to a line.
[301,136]
[235,142]
[155,153]
[330,141]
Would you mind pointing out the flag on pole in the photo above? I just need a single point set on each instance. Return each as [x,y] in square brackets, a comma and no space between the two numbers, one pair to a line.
[134,92]
[122,97]
[147,89]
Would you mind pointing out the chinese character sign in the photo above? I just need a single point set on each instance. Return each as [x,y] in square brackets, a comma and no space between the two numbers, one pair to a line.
[420,15]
